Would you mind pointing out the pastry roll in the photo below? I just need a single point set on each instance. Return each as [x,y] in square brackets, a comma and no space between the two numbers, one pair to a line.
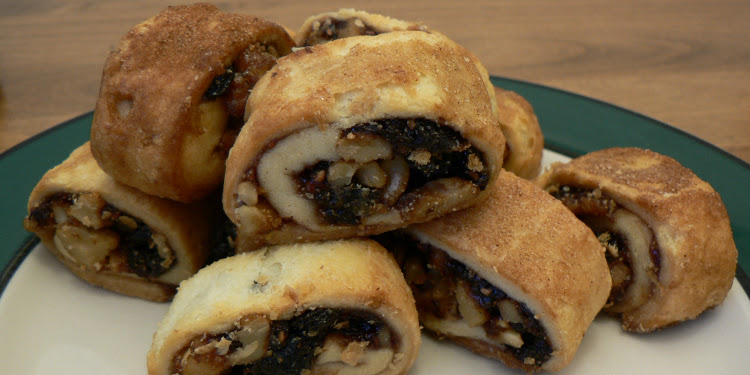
[173,96]
[517,278]
[525,143]
[362,135]
[259,313]
[115,236]
[344,23]
[669,244]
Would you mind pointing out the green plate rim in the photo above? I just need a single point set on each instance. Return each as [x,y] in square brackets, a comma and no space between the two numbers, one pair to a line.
[572,124]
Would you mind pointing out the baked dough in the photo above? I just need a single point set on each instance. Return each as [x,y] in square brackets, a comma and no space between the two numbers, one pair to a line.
[115,236]
[344,23]
[667,233]
[517,278]
[362,135]
[173,96]
[525,142]
[338,307]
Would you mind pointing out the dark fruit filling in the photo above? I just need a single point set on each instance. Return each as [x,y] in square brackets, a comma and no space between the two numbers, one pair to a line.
[140,250]
[292,345]
[449,150]
[222,243]
[236,83]
[434,276]
[594,208]
[450,155]
[136,252]
[339,204]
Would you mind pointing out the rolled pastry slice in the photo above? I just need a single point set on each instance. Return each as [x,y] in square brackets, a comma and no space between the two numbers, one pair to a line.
[669,243]
[173,97]
[115,236]
[344,23]
[525,142]
[362,135]
[517,278]
[338,307]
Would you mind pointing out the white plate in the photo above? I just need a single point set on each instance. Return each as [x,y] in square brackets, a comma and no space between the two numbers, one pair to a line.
[53,323]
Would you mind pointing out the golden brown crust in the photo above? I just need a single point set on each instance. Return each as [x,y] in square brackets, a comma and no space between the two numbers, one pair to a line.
[687,216]
[275,283]
[375,24]
[370,23]
[186,227]
[525,142]
[355,80]
[307,88]
[147,130]
[530,246]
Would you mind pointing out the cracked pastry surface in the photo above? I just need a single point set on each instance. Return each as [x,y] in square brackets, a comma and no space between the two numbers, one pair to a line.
[173,96]
[258,313]
[517,278]
[362,135]
[115,236]
[667,233]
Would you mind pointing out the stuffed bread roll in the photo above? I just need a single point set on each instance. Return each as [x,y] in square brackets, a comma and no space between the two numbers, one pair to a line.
[362,135]
[525,142]
[115,236]
[669,244]
[173,96]
[344,23]
[517,278]
[338,307]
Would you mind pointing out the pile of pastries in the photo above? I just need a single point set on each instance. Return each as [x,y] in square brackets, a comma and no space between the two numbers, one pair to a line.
[321,196]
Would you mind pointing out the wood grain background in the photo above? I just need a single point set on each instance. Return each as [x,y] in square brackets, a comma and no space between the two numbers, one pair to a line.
[686,63]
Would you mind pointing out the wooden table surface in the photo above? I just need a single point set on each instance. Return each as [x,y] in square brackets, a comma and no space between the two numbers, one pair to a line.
[684,62]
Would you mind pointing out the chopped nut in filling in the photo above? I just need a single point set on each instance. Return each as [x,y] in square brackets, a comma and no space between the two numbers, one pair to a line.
[353,342]
[91,233]
[382,163]
[467,305]
[631,249]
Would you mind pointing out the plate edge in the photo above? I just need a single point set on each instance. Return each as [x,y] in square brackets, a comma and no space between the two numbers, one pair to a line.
[32,240]
[19,256]
[43,133]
